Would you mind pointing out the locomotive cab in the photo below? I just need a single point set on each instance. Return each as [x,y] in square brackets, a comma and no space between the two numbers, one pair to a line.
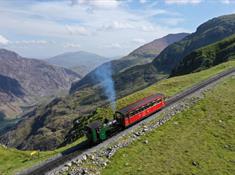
[95,132]
[119,117]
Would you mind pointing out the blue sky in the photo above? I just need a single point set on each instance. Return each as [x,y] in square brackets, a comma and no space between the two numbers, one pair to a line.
[44,28]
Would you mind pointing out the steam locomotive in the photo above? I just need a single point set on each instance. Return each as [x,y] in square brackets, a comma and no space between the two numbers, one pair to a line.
[98,131]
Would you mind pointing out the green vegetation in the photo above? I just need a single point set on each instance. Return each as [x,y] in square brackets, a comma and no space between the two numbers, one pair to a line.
[207,57]
[199,140]
[13,160]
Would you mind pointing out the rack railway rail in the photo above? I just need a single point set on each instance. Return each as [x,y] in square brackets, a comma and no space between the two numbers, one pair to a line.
[81,149]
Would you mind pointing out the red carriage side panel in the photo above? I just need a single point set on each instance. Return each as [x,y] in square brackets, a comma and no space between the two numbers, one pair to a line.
[141,109]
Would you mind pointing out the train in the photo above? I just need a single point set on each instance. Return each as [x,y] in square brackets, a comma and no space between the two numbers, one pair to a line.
[99,131]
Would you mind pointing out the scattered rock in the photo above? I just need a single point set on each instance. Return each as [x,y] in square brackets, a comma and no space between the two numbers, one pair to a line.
[137,134]
[84,157]
[104,164]
[146,142]
[92,157]
[194,163]
[175,123]
[65,168]
[69,164]
[145,129]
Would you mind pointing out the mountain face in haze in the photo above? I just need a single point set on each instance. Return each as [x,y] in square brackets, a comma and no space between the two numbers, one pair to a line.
[80,62]
[29,80]
[142,55]
[207,57]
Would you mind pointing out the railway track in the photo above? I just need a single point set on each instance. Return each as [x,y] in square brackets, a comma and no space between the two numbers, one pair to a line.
[81,149]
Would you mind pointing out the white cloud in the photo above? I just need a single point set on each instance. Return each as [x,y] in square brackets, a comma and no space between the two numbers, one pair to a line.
[117,25]
[114,46]
[3,40]
[227,1]
[77,30]
[39,42]
[183,1]
[172,21]
[72,45]
[143,1]
[147,28]
[139,40]
[99,3]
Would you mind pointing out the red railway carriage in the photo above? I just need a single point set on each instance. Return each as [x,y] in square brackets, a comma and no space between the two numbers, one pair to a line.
[140,109]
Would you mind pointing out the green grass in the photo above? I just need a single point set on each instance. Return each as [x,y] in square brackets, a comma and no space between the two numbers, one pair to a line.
[203,134]
[13,160]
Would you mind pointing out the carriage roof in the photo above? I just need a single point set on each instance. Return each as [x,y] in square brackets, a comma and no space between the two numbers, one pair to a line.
[139,103]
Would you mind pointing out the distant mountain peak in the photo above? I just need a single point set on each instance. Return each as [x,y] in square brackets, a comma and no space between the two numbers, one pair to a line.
[4,53]
[80,61]
[154,48]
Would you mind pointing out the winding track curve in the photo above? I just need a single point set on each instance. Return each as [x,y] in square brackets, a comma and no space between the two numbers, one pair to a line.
[81,149]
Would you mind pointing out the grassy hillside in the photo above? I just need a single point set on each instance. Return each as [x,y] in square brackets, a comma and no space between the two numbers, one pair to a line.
[200,140]
[12,160]
[206,57]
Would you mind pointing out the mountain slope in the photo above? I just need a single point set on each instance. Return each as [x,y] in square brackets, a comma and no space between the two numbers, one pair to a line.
[207,57]
[155,47]
[209,32]
[81,62]
[139,77]
[35,78]
[10,86]
[142,55]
